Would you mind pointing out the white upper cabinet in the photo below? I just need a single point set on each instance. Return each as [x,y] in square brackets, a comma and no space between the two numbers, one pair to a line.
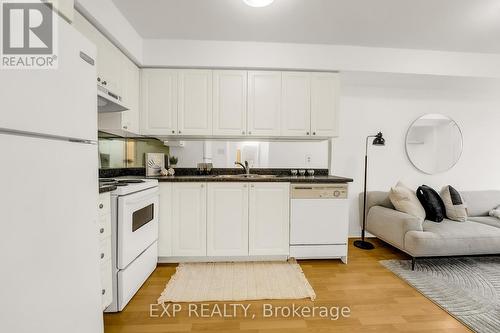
[195,102]
[269,219]
[264,103]
[117,73]
[238,103]
[109,66]
[159,102]
[130,77]
[229,103]
[324,104]
[125,123]
[227,219]
[296,104]
[189,219]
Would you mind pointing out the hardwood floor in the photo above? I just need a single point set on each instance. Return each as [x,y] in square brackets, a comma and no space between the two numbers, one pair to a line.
[378,301]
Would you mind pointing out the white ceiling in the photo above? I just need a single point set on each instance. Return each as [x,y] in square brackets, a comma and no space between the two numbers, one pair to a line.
[450,25]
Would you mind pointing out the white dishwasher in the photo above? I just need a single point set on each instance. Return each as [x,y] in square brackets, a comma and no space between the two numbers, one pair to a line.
[319,221]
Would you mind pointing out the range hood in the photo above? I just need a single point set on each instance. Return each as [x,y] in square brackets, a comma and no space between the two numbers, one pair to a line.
[108,101]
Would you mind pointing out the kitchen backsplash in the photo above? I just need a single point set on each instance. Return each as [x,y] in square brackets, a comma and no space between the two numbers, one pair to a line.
[116,152]
[260,154]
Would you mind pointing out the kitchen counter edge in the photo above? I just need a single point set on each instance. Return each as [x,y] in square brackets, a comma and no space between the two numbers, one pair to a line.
[279,179]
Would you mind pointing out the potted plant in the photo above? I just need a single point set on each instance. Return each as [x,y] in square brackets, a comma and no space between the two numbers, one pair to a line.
[172,160]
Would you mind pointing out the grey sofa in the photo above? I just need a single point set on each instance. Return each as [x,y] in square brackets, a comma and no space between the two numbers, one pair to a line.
[480,235]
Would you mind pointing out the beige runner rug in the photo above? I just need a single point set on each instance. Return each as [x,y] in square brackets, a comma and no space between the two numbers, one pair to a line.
[237,281]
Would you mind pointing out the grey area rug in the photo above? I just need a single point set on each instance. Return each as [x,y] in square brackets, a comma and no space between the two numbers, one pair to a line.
[467,288]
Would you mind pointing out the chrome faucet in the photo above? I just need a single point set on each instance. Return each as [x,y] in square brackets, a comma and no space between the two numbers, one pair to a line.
[245,166]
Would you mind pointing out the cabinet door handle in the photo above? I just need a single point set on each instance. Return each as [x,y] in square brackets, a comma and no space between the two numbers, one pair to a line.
[314,133]
[101,230]
[242,132]
[307,133]
[179,132]
[104,83]
[125,127]
[173,132]
[102,255]
[101,206]
[103,291]
[249,132]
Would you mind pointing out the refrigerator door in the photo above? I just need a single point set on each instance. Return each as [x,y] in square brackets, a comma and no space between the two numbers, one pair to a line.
[50,277]
[59,102]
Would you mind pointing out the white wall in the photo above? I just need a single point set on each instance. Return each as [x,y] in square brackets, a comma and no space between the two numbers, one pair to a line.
[229,54]
[108,19]
[390,103]
[193,53]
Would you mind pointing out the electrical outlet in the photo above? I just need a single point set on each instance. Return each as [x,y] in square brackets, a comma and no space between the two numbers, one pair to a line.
[308,159]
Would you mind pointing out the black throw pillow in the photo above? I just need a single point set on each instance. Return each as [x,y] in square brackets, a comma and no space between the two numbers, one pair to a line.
[433,204]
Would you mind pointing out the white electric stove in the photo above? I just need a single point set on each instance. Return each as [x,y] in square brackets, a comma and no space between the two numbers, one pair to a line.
[134,236]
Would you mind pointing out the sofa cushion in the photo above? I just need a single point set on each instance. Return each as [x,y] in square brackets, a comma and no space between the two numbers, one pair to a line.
[449,238]
[405,201]
[488,220]
[456,209]
[432,202]
[479,203]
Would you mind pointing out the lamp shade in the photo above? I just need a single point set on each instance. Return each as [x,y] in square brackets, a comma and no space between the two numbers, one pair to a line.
[379,140]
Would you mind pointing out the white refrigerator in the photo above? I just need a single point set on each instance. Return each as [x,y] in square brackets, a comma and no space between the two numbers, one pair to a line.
[49,270]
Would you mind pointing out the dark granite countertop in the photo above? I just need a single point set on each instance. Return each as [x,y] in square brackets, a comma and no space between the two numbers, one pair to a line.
[192,175]
[106,188]
[286,179]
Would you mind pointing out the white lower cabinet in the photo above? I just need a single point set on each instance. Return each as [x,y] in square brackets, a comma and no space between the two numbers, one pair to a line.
[269,211]
[189,219]
[165,220]
[227,219]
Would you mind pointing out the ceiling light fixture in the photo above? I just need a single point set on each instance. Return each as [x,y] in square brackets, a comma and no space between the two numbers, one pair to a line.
[258,3]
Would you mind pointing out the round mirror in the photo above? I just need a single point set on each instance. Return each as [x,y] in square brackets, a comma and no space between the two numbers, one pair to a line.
[434,143]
